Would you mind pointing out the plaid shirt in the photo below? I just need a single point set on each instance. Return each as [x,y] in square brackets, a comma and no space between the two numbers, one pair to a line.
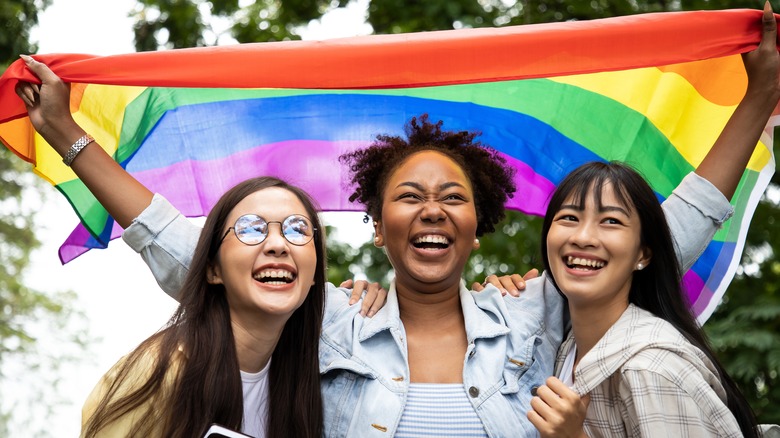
[646,380]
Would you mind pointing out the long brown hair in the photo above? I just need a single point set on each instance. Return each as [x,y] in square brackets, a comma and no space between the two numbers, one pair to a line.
[657,288]
[183,395]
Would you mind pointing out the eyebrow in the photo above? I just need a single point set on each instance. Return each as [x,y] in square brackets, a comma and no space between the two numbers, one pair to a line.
[419,186]
[602,209]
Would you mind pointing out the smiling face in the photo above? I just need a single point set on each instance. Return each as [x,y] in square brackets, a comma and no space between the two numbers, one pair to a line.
[594,249]
[272,278]
[428,223]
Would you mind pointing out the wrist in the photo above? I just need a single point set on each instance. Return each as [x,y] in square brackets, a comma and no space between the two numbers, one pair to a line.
[762,98]
[61,138]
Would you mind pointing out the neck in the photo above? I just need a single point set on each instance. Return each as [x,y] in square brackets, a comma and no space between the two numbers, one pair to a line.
[589,323]
[255,341]
[430,308]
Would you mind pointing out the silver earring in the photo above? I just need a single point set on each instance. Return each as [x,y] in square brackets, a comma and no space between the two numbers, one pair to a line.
[640,266]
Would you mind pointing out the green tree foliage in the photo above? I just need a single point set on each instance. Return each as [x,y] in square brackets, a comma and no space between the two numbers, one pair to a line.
[186,23]
[17,17]
[193,23]
[746,327]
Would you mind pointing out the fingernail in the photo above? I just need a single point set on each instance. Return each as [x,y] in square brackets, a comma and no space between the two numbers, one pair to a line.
[504,291]
[371,313]
[27,59]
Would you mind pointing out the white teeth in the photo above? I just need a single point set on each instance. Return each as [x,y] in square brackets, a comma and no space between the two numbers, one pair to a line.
[432,238]
[577,261]
[281,274]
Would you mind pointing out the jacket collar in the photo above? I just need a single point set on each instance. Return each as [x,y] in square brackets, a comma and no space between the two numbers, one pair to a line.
[635,330]
[478,323]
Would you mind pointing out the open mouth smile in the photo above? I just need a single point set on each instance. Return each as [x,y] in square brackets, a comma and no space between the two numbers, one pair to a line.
[431,242]
[274,276]
[583,264]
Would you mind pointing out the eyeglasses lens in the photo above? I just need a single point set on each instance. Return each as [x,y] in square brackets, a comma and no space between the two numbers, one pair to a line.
[297,230]
[252,229]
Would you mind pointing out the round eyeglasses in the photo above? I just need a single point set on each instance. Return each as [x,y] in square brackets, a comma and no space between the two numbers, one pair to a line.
[252,229]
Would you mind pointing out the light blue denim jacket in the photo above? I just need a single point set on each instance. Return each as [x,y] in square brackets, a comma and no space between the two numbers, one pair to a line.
[511,345]
[512,341]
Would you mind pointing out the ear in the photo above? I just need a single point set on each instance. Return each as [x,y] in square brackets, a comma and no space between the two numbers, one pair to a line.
[214,274]
[379,237]
[645,256]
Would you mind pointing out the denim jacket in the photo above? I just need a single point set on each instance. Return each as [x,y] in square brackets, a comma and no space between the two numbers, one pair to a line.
[512,341]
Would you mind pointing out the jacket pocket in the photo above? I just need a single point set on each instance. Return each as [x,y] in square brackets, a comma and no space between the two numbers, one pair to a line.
[523,369]
[341,392]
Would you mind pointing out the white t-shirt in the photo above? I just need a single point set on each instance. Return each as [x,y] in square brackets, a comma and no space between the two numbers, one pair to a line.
[255,387]
[567,370]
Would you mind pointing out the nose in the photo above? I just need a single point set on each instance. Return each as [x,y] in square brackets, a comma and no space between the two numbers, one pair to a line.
[275,243]
[585,235]
[432,212]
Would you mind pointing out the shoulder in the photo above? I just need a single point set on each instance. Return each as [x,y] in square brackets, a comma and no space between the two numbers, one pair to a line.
[672,365]
[539,300]
[337,306]
[125,376]
[540,306]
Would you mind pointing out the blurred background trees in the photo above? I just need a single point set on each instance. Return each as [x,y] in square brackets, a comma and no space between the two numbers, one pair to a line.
[745,329]
[26,313]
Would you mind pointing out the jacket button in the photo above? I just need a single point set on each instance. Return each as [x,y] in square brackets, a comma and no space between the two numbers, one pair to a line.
[474,391]
[533,390]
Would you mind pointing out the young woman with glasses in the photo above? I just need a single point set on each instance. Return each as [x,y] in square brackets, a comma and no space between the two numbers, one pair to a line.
[242,348]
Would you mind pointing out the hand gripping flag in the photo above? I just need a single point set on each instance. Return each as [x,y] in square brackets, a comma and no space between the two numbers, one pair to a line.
[652,90]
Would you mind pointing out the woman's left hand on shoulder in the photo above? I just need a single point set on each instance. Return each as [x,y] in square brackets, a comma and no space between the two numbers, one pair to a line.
[374,299]
[508,284]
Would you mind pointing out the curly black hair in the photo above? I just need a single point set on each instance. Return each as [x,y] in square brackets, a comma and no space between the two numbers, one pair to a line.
[489,174]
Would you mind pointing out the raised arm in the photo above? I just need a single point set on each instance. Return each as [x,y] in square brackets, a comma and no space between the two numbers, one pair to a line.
[163,237]
[699,205]
[48,107]
[724,164]
[125,199]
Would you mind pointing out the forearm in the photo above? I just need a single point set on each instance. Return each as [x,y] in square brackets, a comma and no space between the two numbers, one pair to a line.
[120,194]
[724,164]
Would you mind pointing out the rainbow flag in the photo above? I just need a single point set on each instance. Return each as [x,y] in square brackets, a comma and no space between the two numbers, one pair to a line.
[653,90]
